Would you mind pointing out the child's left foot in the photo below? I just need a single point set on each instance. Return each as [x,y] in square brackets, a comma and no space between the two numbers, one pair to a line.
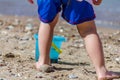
[44,68]
[110,76]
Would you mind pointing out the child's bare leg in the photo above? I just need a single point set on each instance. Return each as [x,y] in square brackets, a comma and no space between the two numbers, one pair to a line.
[94,48]
[45,39]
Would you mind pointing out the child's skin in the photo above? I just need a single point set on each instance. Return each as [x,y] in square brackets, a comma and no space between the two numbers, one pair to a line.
[88,32]
[96,2]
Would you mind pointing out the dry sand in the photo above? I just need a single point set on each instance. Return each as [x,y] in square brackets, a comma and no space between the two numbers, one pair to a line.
[17,49]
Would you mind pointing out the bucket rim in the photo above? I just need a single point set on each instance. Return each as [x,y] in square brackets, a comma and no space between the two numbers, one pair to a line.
[55,37]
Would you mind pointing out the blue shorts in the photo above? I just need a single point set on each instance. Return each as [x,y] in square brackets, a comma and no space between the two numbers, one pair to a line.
[73,11]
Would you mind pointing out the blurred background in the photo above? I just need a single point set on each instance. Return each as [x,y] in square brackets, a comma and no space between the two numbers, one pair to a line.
[108,13]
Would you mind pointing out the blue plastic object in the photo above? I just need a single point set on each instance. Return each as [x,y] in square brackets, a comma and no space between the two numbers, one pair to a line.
[54,55]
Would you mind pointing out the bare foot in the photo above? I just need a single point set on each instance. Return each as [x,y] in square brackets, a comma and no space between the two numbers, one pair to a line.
[110,76]
[44,67]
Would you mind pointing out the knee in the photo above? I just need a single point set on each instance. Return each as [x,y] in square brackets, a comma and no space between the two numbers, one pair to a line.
[88,31]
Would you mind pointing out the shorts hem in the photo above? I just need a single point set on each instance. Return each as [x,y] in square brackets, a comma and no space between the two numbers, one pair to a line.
[45,21]
[80,21]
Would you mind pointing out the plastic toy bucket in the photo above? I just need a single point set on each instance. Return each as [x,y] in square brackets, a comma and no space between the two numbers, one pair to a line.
[56,43]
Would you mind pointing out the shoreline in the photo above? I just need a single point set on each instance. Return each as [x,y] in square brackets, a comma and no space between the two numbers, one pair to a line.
[35,18]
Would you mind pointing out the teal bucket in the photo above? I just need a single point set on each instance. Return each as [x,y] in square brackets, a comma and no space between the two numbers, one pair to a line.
[54,55]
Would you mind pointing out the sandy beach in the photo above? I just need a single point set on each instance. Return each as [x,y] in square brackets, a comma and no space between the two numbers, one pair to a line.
[17,51]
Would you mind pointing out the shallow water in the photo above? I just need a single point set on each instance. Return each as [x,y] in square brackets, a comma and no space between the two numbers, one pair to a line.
[108,13]
[17,7]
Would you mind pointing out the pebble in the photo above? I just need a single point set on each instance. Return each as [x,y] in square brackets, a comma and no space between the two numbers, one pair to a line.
[3,79]
[109,47]
[4,32]
[81,45]
[117,60]
[77,45]
[118,40]
[16,22]
[39,77]
[78,41]
[2,64]
[33,51]
[10,27]
[25,78]
[25,38]
[18,75]
[22,42]
[118,32]
[28,27]
[72,76]
[10,55]
[61,30]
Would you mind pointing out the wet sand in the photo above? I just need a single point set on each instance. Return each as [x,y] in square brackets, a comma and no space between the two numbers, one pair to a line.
[17,49]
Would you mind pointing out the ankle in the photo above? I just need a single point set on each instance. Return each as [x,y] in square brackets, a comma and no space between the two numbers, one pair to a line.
[43,61]
[39,64]
[101,72]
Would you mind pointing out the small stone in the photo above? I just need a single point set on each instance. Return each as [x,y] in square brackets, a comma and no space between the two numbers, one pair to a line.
[28,27]
[81,45]
[110,66]
[75,45]
[39,77]
[25,38]
[16,22]
[18,75]
[72,76]
[61,30]
[73,35]
[10,27]
[118,40]
[2,64]
[4,32]
[2,79]
[117,60]
[109,47]
[25,77]
[13,74]
[10,55]
[116,33]
[33,51]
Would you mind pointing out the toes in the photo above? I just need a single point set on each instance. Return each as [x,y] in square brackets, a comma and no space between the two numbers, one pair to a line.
[110,76]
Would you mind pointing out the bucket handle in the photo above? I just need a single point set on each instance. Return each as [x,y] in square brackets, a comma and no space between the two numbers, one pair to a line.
[56,48]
